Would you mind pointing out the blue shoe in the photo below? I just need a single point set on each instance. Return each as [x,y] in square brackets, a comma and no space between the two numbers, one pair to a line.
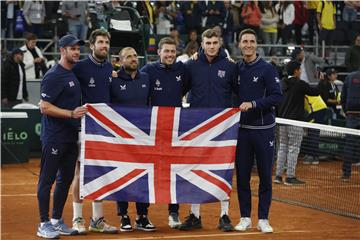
[62,229]
[47,231]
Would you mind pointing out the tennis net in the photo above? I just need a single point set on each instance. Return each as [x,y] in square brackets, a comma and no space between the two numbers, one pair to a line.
[324,182]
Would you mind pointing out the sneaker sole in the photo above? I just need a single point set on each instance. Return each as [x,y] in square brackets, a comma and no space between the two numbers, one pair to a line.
[174,226]
[44,236]
[277,182]
[187,229]
[145,229]
[126,230]
[243,230]
[258,228]
[225,229]
[102,231]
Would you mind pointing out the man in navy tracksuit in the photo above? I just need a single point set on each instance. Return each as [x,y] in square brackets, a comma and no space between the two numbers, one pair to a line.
[167,87]
[94,74]
[131,87]
[259,92]
[350,101]
[212,80]
[59,104]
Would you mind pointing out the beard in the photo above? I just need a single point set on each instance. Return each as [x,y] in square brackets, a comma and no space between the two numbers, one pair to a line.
[130,67]
[100,55]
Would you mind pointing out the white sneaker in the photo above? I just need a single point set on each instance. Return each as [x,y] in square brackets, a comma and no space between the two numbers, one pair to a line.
[264,226]
[79,225]
[244,224]
[174,220]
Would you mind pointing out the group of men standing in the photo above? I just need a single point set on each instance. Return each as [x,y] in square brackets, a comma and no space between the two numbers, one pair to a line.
[211,79]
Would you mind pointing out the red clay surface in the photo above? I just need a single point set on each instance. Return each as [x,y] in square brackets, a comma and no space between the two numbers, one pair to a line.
[19,216]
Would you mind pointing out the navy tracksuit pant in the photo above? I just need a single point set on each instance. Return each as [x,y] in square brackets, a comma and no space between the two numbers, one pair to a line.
[58,162]
[258,143]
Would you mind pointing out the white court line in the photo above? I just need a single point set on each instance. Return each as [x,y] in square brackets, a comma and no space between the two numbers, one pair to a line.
[209,235]
[19,195]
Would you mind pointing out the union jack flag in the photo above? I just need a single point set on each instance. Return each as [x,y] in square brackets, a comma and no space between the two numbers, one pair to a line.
[158,154]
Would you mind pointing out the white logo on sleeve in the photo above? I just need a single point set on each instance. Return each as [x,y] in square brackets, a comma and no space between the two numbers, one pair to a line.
[255,79]
[44,95]
[178,78]
[54,151]
[122,87]
[91,82]
[71,83]
[277,79]
[143,86]
[271,143]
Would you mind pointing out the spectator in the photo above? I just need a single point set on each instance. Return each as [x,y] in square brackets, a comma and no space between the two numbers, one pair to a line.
[10,8]
[292,107]
[35,62]
[329,91]
[352,57]
[189,50]
[34,14]
[77,15]
[300,20]
[251,16]
[309,63]
[180,45]
[286,13]
[269,21]
[214,11]
[349,15]
[228,26]
[326,17]
[165,17]
[193,37]
[312,20]
[192,15]
[350,101]
[13,80]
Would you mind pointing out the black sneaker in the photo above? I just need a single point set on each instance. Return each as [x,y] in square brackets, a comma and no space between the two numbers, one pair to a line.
[293,181]
[191,222]
[278,180]
[143,223]
[225,224]
[125,224]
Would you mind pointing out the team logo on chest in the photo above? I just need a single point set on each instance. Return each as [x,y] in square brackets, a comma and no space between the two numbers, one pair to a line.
[71,83]
[255,79]
[157,85]
[91,82]
[122,87]
[221,73]
[143,85]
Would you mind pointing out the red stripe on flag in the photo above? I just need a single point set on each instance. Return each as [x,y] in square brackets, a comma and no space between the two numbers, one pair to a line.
[213,180]
[115,184]
[107,122]
[211,124]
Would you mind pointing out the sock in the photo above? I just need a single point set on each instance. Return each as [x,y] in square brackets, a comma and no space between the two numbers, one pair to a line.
[224,208]
[54,221]
[77,210]
[97,208]
[195,209]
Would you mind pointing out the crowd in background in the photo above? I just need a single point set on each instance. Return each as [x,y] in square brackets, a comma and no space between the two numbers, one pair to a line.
[273,21]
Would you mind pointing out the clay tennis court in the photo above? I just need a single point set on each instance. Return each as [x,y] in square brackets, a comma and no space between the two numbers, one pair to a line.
[19,214]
